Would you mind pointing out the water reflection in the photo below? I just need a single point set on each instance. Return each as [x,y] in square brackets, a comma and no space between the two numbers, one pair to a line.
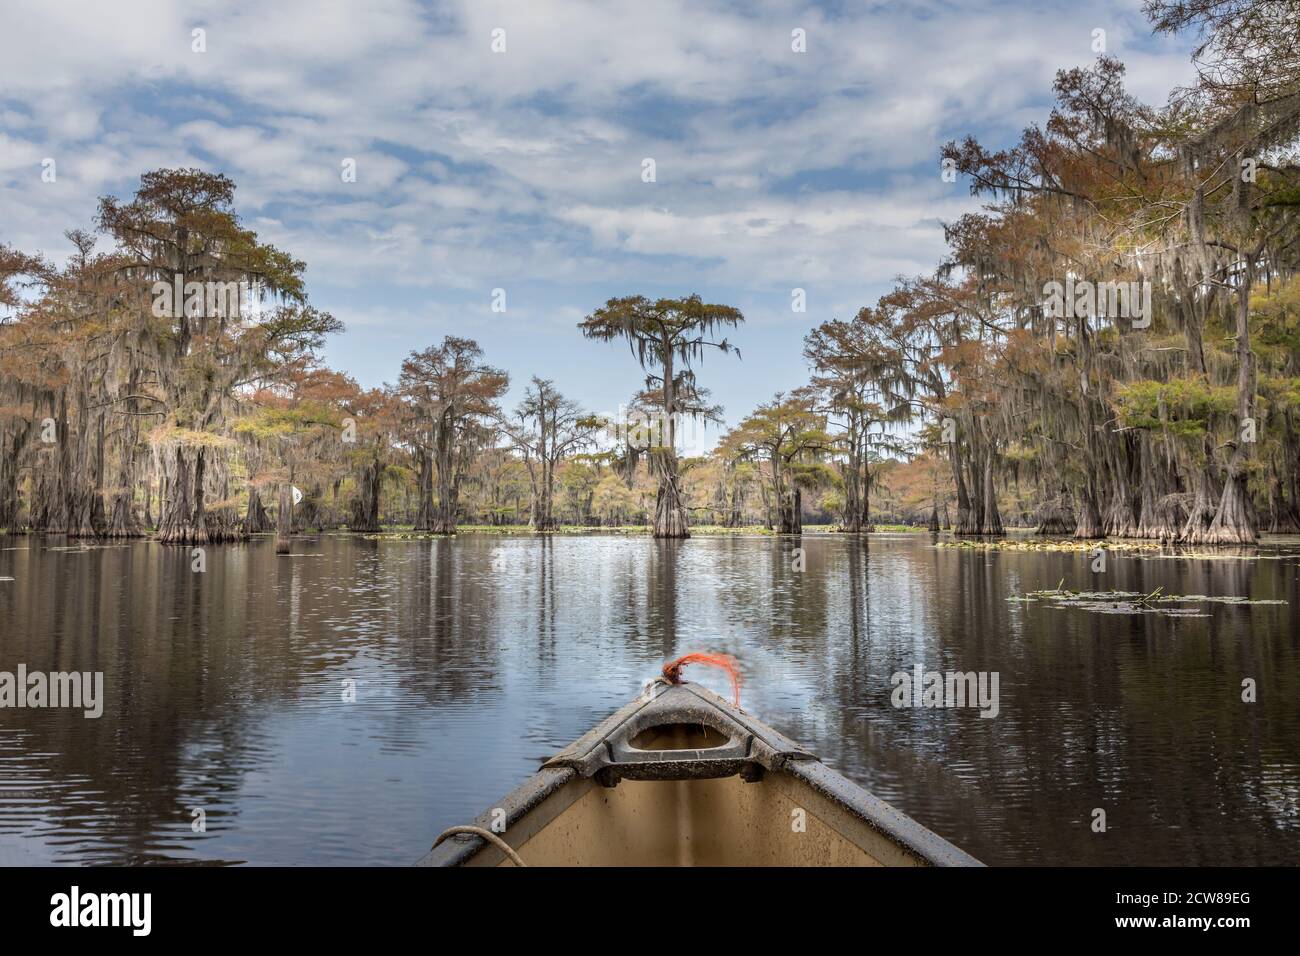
[470,659]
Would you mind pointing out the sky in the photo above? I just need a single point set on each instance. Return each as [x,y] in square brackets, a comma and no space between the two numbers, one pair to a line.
[503,146]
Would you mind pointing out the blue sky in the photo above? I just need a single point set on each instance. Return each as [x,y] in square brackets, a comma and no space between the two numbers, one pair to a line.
[522,170]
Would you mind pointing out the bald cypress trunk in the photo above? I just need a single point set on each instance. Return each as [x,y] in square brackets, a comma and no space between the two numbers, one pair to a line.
[966,523]
[1089,525]
[444,512]
[284,520]
[1056,515]
[148,500]
[854,507]
[735,507]
[83,463]
[790,512]
[1282,514]
[865,520]
[8,484]
[1235,521]
[365,506]
[991,519]
[122,520]
[54,470]
[1121,516]
[424,492]
[670,508]
[256,520]
[183,519]
[852,520]
[1205,492]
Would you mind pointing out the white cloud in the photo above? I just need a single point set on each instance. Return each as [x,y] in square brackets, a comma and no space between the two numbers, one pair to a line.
[477,169]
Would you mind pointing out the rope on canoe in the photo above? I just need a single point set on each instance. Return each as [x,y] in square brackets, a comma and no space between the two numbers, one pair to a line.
[673,670]
[488,835]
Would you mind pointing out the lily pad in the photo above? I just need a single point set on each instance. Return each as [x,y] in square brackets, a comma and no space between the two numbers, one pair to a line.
[1136,602]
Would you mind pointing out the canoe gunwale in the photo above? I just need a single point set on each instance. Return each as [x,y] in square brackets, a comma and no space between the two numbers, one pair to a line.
[926,845]
[518,804]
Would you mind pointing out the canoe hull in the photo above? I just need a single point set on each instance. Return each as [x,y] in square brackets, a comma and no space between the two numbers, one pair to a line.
[636,792]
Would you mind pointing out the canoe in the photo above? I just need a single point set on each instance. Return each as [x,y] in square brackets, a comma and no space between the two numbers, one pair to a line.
[680,777]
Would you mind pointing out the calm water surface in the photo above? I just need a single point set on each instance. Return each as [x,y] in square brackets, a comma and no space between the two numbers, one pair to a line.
[475,658]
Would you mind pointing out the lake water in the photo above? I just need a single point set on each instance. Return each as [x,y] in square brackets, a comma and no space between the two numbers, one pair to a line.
[475,658]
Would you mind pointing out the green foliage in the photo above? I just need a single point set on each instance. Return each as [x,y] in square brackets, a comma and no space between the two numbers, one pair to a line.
[1275,323]
[1185,407]
[276,423]
[814,474]
[1282,392]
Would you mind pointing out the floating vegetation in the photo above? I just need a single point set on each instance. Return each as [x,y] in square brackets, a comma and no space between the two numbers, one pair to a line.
[1066,544]
[1140,549]
[80,548]
[1135,602]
